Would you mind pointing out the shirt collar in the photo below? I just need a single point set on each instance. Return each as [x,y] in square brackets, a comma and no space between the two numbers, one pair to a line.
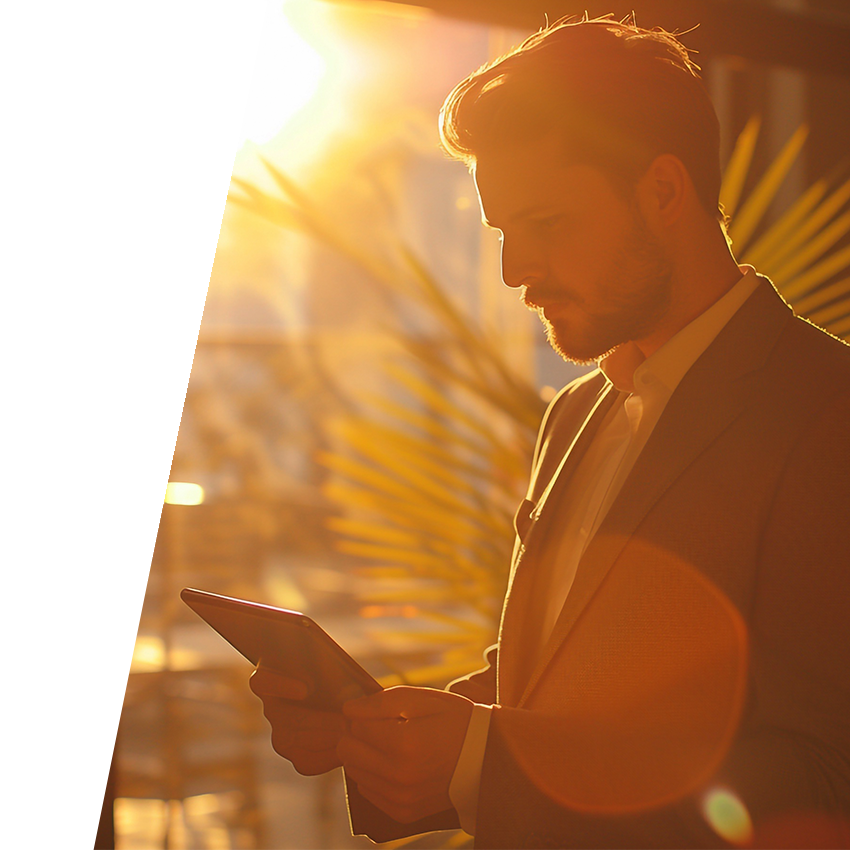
[628,370]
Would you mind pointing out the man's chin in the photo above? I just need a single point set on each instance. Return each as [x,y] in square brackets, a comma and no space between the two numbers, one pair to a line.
[575,350]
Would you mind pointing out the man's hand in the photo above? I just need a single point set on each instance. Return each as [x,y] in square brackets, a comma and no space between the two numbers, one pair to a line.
[306,737]
[403,747]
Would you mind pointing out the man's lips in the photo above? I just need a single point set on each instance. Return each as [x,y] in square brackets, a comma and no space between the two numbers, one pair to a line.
[533,303]
[549,308]
[547,302]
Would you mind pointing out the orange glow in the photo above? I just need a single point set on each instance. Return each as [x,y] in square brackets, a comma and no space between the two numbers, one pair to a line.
[802,830]
[728,816]
[649,717]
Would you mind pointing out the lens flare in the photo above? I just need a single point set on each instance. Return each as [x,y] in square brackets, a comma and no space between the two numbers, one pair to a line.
[650,718]
[728,816]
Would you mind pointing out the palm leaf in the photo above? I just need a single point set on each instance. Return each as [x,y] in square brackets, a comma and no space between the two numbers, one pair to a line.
[738,167]
[432,523]
[372,438]
[808,229]
[803,252]
[379,532]
[825,295]
[773,244]
[817,275]
[747,220]
[413,490]
[842,328]
[836,311]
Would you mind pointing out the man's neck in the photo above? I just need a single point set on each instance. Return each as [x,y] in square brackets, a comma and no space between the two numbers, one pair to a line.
[697,284]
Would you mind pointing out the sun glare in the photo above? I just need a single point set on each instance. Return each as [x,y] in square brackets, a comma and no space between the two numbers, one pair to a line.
[287,75]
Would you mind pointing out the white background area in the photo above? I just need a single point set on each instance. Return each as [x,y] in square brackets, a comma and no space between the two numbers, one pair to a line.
[121,122]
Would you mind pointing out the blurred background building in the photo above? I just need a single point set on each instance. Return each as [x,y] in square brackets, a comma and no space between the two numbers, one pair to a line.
[315,303]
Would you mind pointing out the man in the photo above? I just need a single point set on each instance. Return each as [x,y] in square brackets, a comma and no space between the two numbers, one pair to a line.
[672,665]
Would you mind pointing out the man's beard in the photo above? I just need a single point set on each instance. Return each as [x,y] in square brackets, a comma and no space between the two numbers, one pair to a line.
[636,290]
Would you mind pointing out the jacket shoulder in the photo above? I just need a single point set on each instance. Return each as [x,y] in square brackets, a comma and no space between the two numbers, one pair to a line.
[813,366]
[821,346]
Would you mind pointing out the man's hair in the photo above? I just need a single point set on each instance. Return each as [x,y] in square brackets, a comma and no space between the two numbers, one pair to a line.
[618,95]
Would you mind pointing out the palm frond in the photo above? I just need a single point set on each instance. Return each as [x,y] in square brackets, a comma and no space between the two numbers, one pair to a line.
[841,328]
[833,312]
[817,275]
[805,249]
[747,220]
[738,166]
[809,228]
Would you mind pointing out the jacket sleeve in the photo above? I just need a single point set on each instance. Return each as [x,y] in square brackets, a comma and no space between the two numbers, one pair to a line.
[367,819]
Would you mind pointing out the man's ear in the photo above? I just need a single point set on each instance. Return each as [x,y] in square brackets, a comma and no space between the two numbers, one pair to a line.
[663,191]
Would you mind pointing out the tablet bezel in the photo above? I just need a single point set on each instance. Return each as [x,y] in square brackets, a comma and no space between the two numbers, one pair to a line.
[287,641]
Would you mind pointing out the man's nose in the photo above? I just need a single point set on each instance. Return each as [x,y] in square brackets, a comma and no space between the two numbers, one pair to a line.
[520,266]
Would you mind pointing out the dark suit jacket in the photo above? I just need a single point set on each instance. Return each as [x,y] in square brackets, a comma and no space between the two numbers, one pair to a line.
[705,642]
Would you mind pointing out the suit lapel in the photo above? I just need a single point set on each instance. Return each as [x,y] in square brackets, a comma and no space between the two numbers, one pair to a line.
[711,396]
[590,425]
[531,523]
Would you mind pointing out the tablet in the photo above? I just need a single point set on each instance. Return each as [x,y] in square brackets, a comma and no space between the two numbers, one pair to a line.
[286,641]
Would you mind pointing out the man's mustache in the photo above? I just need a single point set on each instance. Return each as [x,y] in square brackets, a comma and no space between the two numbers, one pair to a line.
[539,299]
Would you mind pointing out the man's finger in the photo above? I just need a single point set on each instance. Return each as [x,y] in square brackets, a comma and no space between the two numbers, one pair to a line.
[288,738]
[359,755]
[384,734]
[265,682]
[310,763]
[401,701]
[284,713]
[314,740]
[401,789]
[387,806]
[400,806]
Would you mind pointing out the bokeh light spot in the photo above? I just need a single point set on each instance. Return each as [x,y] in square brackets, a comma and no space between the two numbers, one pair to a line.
[728,816]
[183,493]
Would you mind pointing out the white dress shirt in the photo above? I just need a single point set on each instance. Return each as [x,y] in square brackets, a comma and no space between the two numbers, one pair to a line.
[645,386]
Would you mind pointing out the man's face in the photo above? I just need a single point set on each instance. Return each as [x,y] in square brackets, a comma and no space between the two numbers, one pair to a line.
[581,252]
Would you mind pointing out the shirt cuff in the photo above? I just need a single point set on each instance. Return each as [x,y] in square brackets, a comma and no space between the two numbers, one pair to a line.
[463,789]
